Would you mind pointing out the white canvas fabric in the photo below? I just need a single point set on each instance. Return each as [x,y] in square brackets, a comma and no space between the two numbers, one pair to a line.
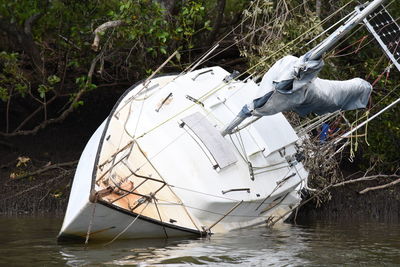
[291,84]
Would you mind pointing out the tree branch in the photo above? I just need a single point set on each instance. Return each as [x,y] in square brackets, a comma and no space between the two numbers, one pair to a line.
[50,121]
[37,186]
[46,168]
[29,22]
[101,29]
[27,119]
[364,178]
[380,186]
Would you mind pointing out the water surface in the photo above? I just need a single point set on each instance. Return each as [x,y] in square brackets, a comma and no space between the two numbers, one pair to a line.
[31,241]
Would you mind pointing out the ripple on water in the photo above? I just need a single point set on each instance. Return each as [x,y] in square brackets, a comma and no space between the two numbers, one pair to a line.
[317,244]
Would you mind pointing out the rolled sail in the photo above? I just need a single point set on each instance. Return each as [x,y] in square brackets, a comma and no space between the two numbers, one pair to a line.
[291,84]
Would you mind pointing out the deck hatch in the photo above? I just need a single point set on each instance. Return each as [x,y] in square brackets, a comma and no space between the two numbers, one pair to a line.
[211,138]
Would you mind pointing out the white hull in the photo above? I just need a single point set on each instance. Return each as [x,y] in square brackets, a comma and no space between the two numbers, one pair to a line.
[176,175]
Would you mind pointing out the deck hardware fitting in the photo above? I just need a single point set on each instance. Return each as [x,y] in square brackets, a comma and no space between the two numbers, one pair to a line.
[163,102]
[235,190]
[201,73]
[279,183]
[231,76]
[251,170]
[282,152]
[194,100]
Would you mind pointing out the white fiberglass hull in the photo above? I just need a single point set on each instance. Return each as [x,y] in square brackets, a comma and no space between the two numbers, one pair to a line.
[158,167]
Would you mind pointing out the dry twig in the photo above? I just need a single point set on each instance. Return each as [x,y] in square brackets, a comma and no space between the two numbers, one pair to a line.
[37,186]
[47,168]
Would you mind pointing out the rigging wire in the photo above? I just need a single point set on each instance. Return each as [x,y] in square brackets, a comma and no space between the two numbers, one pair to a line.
[214,90]
[220,87]
[291,10]
[241,145]
[265,58]
[334,52]
[166,202]
[327,30]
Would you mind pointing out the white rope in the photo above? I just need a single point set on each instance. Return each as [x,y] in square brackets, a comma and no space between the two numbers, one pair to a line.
[313,125]
[368,120]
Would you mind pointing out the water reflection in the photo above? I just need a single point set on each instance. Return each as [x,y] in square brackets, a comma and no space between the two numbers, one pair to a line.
[246,247]
[31,241]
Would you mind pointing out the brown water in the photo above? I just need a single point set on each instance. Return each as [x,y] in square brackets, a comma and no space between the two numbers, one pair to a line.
[31,241]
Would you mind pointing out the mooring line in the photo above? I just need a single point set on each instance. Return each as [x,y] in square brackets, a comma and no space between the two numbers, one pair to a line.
[126,228]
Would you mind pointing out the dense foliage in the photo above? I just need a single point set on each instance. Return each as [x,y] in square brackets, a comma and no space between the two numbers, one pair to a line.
[49,59]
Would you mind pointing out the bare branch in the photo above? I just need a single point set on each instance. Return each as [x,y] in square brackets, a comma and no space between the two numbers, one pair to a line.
[93,65]
[50,121]
[381,186]
[101,29]
[64,174]
[47,168]
[29,22]
[364,178]
[325,189]
[33,114]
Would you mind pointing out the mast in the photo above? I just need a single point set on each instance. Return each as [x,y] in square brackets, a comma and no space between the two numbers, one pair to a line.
[324,46]
[318,51]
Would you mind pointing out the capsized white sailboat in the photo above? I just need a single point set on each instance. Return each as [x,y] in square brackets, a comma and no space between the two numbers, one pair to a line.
[159,166]
[160,159]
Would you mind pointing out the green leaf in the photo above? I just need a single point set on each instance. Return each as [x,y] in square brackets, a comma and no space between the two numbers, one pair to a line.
[43,89]
[53,79]
[4,94]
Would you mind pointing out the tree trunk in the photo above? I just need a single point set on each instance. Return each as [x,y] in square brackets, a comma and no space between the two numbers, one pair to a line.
[217,21]
[24,39]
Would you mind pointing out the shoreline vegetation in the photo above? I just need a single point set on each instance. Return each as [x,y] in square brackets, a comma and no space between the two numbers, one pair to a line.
[64,65]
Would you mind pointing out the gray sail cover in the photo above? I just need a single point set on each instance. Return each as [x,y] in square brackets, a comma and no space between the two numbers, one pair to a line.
[291,84]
